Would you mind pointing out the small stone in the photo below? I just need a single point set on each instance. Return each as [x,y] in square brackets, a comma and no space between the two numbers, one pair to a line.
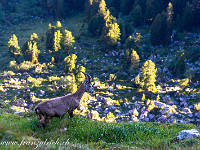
[151,116]
[187,134]
[146,119]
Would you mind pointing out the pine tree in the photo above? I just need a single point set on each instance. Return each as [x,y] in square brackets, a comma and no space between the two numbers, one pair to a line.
[91,8]
[153,7]
[141,3]
[50,37]
[34,38]
[96,24]
[126,6]
[58,25]
[14,48]
[179,6]
[113,35]
[129,42]
[137,80]
[178,22]
[188,17]
[102,8]
[35,53]
[159,29]
[57,40]
[30,51]
[26,50]
[52,60]
[116,4]
[68,40]
[137,16]
[143,97]
[147,76]
[135,60]
[168,25]
[70,63]
[180,66]
[60,11]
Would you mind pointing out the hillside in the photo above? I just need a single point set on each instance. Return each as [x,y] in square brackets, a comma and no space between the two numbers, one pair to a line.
[130,109]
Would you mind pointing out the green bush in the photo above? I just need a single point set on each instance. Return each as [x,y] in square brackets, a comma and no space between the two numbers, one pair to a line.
[26,66]
[112,77]
[96,24]
[53,78]
[183,82]
[37,82]
[13,65]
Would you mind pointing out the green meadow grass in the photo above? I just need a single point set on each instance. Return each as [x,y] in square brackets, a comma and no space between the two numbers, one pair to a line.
[81,132]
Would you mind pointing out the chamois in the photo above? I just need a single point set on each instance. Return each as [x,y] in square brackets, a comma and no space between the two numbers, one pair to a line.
[58,107]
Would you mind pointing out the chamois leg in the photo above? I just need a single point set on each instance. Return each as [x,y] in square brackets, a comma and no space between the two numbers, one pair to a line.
[42,121]
[70,114]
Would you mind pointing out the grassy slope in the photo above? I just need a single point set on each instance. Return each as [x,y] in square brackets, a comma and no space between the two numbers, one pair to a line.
[80,130]
[88,134]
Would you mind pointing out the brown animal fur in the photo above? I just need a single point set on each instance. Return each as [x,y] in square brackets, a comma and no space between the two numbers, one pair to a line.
[57,107]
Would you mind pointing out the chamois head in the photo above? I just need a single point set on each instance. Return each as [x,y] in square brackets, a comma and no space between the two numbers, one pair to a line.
[88,84]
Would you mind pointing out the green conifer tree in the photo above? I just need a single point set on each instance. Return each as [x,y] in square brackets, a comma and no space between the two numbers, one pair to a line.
[60,11]
[102,8]
[58,25]
[30,51]
[129,42]
[91,8]
[68,41]
[188,17]
[96,24]
[35,53]
[113,35]
[52,60]
[178,22]
[57,40]
[159,29]
[116,4]
[153,7]
[143,97]
[126,6]
[70,63]
[141,3]
[14,49]
[147,76]
[50,37]
[137,15]
[34,38]
[180,66]
[168,28]
[135,60]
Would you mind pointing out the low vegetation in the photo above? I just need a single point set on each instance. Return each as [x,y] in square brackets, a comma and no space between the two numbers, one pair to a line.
[85,133]
[144,66]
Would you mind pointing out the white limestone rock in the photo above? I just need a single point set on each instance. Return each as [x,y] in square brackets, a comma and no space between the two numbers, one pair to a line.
[187,134]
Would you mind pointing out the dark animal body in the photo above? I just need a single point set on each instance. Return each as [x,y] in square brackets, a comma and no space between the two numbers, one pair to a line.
[58,107]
